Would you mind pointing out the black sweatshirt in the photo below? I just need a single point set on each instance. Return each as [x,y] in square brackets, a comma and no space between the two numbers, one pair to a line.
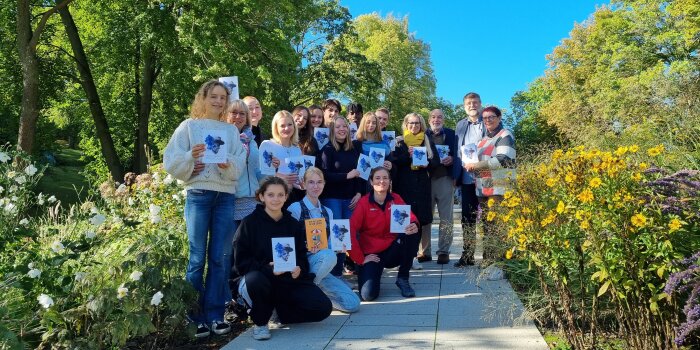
[252,244]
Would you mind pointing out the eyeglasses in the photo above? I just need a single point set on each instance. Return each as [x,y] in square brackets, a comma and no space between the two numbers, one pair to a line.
[491,117]
[235,113]
[413,123]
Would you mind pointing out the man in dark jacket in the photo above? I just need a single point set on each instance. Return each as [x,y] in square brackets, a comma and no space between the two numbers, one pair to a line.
[442,188]
[469,132]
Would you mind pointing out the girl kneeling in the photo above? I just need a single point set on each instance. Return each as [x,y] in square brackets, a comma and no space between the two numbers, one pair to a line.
[293,294]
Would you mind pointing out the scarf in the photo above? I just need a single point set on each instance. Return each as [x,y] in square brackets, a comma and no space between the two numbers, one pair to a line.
[413,140]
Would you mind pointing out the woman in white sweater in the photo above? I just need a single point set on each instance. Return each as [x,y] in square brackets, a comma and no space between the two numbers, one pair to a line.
[210,199]
[284,144]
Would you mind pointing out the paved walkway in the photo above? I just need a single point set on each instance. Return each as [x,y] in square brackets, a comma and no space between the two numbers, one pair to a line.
[453,309]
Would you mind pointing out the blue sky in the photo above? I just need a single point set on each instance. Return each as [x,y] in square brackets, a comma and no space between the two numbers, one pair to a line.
[494,48]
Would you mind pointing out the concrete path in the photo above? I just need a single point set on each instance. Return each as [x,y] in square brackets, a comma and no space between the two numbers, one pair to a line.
[453,309]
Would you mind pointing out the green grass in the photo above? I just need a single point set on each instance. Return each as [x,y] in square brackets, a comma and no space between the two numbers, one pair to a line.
[64,180]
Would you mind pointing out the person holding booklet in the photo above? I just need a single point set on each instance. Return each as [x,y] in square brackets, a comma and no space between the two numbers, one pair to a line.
[262,287]
[322,261]
[412,181]
[307,142]
[339,162]
[442,189]
[374,246]
[284,145]
[209,205]
[495,171]
[469,132]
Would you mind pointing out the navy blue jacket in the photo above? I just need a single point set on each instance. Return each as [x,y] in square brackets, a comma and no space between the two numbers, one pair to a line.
[336,165]
[454,170]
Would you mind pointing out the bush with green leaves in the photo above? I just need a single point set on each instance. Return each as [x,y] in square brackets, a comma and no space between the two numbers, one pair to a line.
[97,274]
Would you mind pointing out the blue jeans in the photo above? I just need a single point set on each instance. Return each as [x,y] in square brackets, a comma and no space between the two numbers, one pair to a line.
[341,296]
[210,229]
[341,210]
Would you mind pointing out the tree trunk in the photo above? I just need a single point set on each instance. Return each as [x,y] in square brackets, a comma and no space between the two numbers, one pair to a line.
[27,41]
[148,79]
[109,152]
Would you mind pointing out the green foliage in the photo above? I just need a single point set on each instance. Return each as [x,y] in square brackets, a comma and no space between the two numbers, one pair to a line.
[97,270]
[601,230]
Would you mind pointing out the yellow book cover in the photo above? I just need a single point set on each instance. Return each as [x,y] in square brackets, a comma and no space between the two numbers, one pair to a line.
[316,235]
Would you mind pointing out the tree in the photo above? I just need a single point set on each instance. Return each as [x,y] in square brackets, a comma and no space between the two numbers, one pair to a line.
[27,42]
[406,72]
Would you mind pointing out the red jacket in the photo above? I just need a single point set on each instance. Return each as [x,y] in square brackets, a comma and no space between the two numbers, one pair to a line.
[371,225]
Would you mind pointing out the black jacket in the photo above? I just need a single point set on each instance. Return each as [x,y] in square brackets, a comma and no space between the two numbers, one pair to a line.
[252,244]
[414,185]
[450,140]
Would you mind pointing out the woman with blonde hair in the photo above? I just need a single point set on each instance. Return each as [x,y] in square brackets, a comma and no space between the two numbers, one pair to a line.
[413,182]
[339,163]
[209,206]
[285,144]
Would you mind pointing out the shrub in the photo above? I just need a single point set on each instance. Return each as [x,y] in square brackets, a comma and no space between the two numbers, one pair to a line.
[600,230]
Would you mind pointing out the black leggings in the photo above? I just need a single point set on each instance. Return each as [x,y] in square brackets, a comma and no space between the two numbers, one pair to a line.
[400,253]
[295,301]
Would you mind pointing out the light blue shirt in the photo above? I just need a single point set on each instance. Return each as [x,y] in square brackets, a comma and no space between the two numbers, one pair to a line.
[473,134]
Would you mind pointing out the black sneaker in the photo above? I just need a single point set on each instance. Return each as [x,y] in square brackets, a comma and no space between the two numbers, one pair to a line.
[405,287]
[220,327]
[202,331]
[465,262]
[443,259]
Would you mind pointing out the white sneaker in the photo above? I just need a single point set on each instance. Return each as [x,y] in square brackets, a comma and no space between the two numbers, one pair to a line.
[261,332]
[416,264]
[274,322]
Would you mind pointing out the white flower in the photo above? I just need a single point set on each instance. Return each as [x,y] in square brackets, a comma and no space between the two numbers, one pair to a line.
[11,208]
[30,170]
[79,276]
[52,199]
[21,179]
[34,273]
[1,189]
[146,191]
[98,220]
[181,183]
[30,265]
[157,298]
[136,275]
[168,179]
[57,247]
[156,177]
[11,174]
[122,291]
[183,193]
[90,234]
[121,189]
[40,199]
[13,188]
[154,213]
[93,305]
[24,222]
[130,201]
[176,197]
[45,301]
[4,157]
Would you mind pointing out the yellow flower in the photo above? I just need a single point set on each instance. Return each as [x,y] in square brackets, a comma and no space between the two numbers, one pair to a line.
[548,220]
[508,194]
[557,154]
[584,225]
[513,202]
[490,216]
[674,225]
[637,177]
[586,196]
[639,220]
[509,254]
[490,202]
[522,238]
[621,151]
[634,149]
[567,244]
[561,207]
[570,177]
[655,151]
[595,182]
[643,166]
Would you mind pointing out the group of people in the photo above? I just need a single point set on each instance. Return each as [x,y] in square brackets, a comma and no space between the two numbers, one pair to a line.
[233,212]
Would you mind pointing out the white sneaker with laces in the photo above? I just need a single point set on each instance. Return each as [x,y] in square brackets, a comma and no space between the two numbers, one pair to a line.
[274,322]
[416,265]
[261,332]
